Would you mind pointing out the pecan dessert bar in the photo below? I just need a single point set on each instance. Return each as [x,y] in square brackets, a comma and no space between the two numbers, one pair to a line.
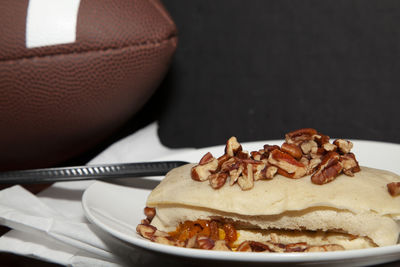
[309,194]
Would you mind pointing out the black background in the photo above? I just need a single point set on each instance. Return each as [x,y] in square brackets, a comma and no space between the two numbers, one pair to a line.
[258,69]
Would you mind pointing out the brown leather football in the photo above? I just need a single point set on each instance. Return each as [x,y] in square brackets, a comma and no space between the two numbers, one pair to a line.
[73,71]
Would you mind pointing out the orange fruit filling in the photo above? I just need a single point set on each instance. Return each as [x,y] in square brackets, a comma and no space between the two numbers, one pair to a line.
[213,229]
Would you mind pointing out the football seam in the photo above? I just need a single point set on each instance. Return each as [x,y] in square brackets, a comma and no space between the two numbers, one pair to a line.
[142,45]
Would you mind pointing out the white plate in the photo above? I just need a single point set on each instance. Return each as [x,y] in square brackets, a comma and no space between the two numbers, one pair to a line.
[118,209]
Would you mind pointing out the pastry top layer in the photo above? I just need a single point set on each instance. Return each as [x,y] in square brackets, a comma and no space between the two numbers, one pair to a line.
[365,192]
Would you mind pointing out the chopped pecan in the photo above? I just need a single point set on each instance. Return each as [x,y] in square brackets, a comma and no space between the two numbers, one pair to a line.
[244,247]
[305,152]
[296,247]
[217,180]
[256,155]
[292,150]
[232,146]
[329,147]
[312,165]
[150,213]
[191,242]
[305,161]
[328,170]
[145,221]
[270,171]
[258,167]
[309,146]
[202,171]
[258,246]
[394,188]
[298,136]
[221,245]
[333,247]
[221,160]
[269,148]
[161,233]
[180,243]
[242,154]
[204,242]
[287,163]
[146,230]
[246,180]
[274,238]
[236,172]
[343,145]
[321,139]
[317,152]
[275,247]
[350,164]
[230,164]
[208,157]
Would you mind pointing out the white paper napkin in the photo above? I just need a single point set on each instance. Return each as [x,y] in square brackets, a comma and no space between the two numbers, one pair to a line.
[51,226]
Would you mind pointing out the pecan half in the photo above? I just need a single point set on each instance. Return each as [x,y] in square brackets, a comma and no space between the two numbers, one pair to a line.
[328,170]
[287,163]
[394,188]
[217,180]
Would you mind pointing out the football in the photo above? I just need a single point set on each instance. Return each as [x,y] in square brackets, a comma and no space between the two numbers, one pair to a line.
[74,71]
